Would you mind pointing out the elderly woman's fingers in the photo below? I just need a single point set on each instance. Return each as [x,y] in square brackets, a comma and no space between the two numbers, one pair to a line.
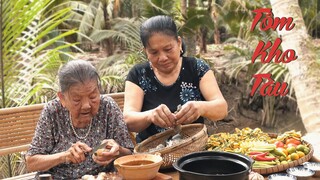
[78,151]
[101,161]
[104,158]
[112,146]
[85,148]
[75,155]
[115,150]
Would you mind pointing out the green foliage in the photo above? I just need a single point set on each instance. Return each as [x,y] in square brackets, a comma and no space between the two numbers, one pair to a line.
[157,7]
[113,69]
[16,163]
[311,16]
[123,31]
[236,16]
[27,50]
[196,18]
[33,49]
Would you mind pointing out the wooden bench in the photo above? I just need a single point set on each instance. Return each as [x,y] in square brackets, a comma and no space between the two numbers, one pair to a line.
[17,125]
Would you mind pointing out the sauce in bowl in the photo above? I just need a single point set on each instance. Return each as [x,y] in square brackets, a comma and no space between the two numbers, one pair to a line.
[137,163]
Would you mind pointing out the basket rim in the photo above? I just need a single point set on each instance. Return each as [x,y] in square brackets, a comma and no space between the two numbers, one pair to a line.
[184,143]
[283,167]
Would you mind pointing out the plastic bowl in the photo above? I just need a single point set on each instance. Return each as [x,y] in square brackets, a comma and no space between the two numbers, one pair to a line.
[301,172]
[281,176]
[138,166]
[314,166]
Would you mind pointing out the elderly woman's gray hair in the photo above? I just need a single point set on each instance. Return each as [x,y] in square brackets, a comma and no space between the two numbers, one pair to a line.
[76,71]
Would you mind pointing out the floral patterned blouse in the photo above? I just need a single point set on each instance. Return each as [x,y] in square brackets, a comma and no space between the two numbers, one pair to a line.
[54,134]
[186,88]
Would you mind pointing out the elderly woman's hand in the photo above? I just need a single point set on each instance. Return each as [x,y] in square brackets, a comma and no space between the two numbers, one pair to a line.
[76,153]
[105,157]
[189,112]
[162,116]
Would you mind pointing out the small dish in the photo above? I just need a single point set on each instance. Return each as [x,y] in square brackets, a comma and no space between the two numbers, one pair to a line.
[301,172]
[281,176]
[138,166]
[314,166]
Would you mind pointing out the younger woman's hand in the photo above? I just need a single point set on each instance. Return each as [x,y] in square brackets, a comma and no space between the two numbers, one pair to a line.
[110,153]
[188,113]
[162,116]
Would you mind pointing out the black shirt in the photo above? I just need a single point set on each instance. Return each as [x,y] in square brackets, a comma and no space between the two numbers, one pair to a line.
[186,88]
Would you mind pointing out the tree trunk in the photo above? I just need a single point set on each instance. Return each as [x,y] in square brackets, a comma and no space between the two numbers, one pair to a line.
[183,4]
[305,70]
[214,14]
[191,38]
[107,44]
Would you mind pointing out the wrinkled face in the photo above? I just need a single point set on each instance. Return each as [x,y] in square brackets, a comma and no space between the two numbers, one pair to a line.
[163,52]
[82,100]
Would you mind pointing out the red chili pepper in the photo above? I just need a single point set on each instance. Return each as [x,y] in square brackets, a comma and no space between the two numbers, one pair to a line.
[265,158]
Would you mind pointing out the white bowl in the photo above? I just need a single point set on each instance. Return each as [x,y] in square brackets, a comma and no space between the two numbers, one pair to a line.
[281,176]
[301,172]
[314,166]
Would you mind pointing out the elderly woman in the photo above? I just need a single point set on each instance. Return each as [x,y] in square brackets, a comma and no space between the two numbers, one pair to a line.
[71,125]
[154,89]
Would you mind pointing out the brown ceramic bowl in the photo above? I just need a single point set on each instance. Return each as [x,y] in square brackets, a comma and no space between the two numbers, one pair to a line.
[138,166]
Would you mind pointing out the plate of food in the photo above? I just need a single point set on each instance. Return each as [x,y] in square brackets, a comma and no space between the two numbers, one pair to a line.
[271,153]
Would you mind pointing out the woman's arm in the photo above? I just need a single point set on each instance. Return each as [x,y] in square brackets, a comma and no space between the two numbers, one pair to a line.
[75,154]
[133,100]
[215,107]
[40,162]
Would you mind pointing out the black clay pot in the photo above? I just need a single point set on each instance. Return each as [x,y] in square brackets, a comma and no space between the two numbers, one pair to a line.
[213,165]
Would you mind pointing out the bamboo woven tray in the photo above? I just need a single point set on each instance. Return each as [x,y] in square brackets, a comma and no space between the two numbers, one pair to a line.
[194,139]
[283,167]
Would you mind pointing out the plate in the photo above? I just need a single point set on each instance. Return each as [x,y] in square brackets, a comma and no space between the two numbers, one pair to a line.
[281,176]
[300,171]
[314,166]
[283,167]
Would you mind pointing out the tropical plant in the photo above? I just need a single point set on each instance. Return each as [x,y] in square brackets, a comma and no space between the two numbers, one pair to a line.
[113,69]
[27,50]
[32,51]
[304,71]
[280,72]
[242,48]
[158,7]
[12,165]
[311,16]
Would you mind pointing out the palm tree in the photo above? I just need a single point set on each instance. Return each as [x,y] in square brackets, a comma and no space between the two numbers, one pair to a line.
[27,51]
[113,69]
[310,10]
[306,69]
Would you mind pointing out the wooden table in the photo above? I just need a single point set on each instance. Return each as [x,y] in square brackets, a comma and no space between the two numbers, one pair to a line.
[27,176]
[174,175]
[31,176]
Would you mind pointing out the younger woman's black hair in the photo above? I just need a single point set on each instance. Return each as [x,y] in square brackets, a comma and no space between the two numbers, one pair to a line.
[159,24]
